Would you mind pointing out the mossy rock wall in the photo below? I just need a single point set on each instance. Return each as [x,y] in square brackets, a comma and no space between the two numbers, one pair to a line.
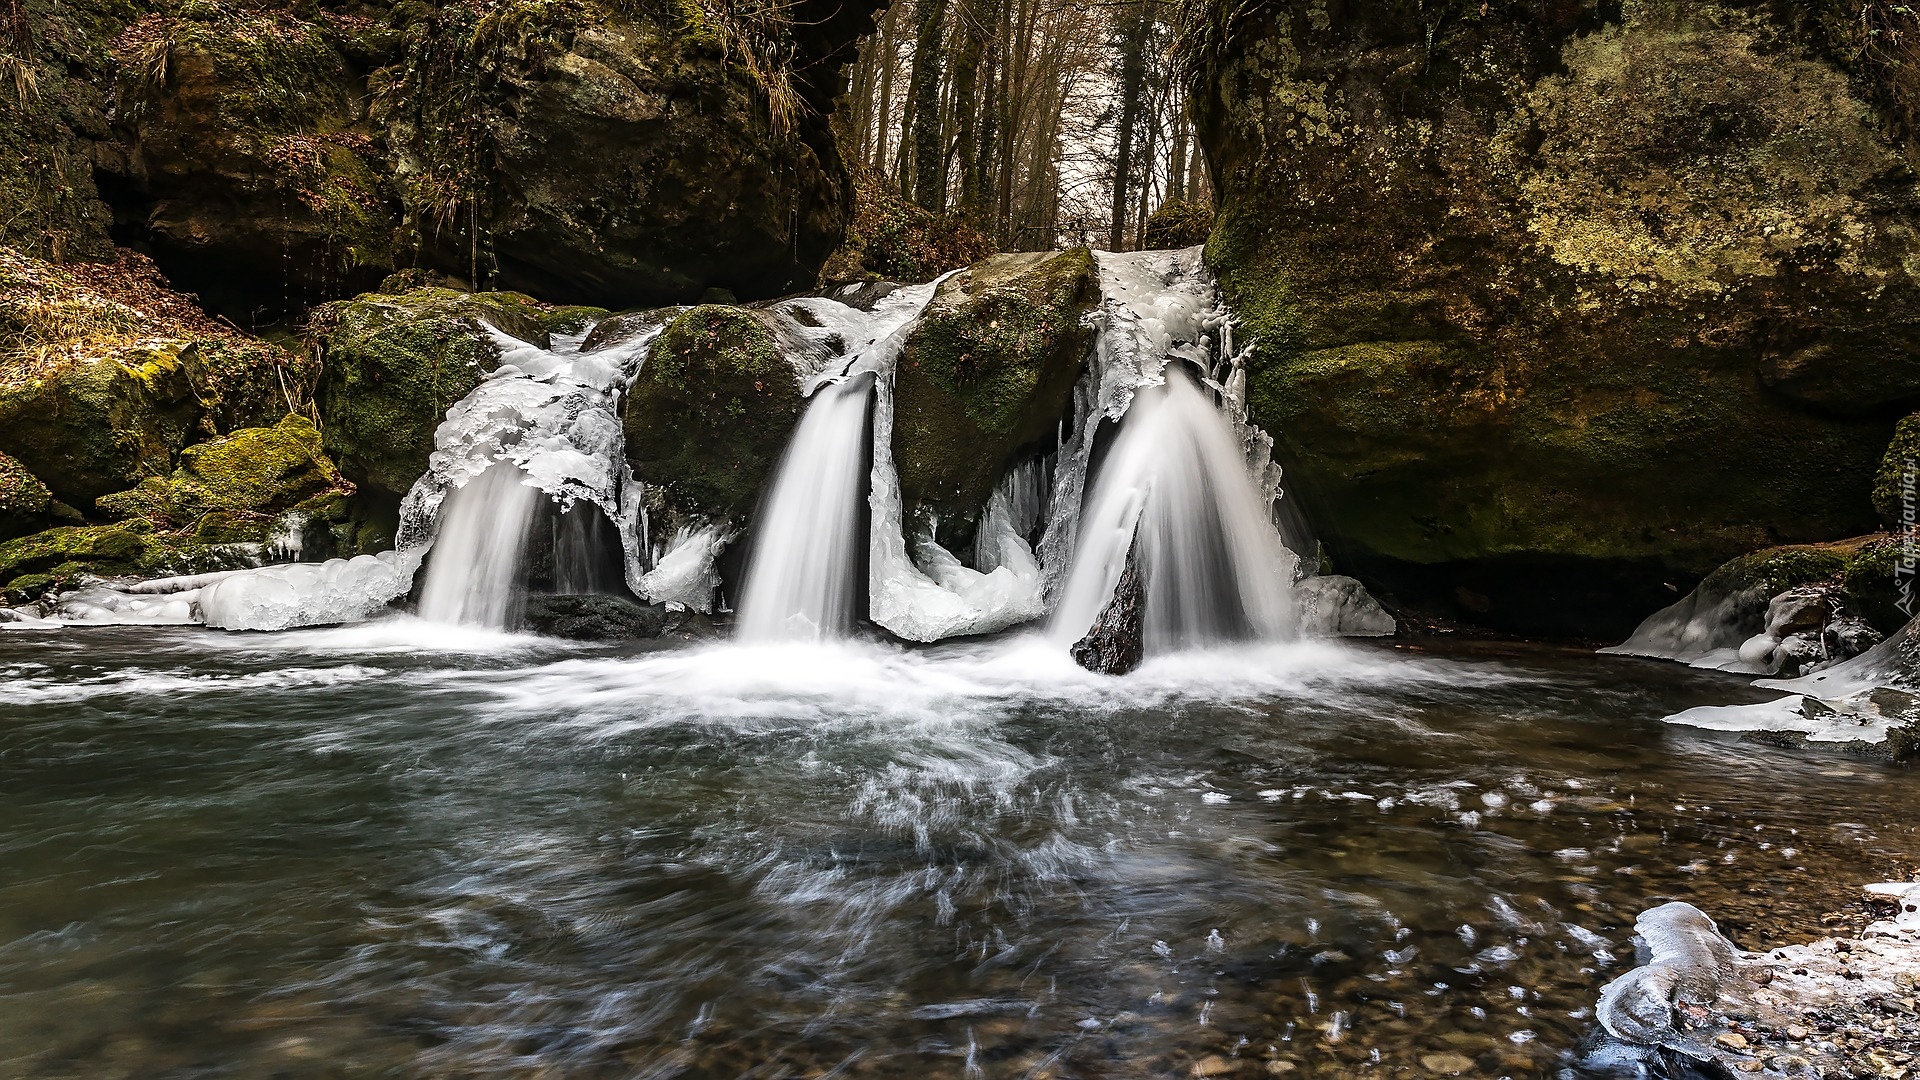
[55,91]
[247,157]
[712,410]
[989,369]
[1558,306]
[392,364]
[26,505]
[105,375]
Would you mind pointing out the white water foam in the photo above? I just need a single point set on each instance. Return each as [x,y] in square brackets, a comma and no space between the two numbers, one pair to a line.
[800,578]
[1175,491]
[475,573]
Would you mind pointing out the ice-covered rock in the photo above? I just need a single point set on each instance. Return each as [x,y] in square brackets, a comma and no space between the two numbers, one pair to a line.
[1689,967]
[1701,1007]
[1335,606]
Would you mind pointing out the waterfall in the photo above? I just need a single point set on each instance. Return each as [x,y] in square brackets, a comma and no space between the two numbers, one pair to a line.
[474,573]
[1175,491]
[802,576]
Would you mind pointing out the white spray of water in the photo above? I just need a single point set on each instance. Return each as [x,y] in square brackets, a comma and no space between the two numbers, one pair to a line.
[800,583]
[479,556]
[1213,564]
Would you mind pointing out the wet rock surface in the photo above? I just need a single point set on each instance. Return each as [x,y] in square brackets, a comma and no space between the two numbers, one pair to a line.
[593,618]
[1116,643]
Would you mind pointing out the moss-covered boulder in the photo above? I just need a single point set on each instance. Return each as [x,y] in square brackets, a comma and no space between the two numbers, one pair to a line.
[1178,224]
[106,375]
[393,363]
[237,484]
[62,558]
[989,370]
[25,503]
[1896,485]
[1558,306]
[712,410]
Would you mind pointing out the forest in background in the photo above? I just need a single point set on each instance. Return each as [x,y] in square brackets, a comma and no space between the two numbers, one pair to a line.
[1027,124]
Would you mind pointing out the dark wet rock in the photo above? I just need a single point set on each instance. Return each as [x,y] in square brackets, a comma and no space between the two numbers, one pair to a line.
[593,618]
[988,370]
[1332,605]
[625,326]
[1116,643]
[1592,345]
[603,153]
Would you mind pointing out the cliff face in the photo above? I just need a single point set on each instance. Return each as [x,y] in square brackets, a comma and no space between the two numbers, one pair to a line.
[623,153]
[1558,304]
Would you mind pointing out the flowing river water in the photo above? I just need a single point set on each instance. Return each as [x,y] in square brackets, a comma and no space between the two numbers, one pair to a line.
[405,850]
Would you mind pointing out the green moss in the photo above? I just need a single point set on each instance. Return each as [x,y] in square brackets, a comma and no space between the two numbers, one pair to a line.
[989,368]
[1775,570]
[53,109]
[712,410]
[1873,579]
[1896,484]
[61,556]
[571,320]
[25,502]
[1179,224]
[250,475]
[105,375]
[391,366]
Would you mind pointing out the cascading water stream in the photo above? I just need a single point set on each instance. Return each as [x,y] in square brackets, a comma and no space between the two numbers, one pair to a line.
[1174,493]
[802,578]
[474,574]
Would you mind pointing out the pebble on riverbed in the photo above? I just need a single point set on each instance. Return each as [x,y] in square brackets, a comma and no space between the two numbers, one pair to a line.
[1834,1008]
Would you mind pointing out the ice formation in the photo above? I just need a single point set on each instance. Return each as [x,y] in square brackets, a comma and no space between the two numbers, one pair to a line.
[1856,700]
[684,577]
[1689,965]
[1704,628]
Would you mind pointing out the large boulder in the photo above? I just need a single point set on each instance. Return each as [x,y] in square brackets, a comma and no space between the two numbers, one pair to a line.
[232,489]
[589,150]
[1559,305]
[106,375]
[712,411]
[989,372]
[393,363]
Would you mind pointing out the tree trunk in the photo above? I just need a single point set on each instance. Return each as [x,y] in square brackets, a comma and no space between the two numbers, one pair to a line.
[1133,77]
[966,101]
[889,60]
[923,105]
